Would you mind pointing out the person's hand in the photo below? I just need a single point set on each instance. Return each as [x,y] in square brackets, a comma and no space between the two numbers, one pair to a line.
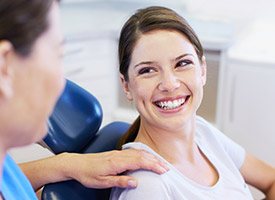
[101,170]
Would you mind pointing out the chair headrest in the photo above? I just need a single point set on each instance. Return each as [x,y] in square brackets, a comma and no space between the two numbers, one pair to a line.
[75,120]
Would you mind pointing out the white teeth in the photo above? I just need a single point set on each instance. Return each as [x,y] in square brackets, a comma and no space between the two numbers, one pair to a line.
[166,105]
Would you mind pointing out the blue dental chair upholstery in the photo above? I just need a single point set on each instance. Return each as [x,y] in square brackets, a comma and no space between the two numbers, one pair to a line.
[76,119]
[74,127]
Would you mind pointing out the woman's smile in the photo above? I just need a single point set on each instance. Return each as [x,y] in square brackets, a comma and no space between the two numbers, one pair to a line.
[168,105]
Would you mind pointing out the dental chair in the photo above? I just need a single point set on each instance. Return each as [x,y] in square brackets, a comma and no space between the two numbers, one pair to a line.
[74,127]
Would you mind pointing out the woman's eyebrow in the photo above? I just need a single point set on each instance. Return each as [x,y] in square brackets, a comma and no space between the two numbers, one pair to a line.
[151,62]
[144,63]
[183,55]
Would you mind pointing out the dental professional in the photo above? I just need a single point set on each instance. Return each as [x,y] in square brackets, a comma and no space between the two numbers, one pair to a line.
[31,80]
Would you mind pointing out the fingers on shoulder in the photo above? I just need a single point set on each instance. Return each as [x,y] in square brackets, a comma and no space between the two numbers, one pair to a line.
[150,185]
[116,181]
[132,159]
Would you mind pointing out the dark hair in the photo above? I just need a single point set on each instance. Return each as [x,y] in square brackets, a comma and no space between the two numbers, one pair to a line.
[144,21]
[23,21]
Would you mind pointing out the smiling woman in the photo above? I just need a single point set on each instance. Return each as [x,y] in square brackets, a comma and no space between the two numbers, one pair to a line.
[146,22]
[163,71]
[160,80]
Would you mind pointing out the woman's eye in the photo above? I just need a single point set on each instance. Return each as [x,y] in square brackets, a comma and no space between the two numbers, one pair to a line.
[183,63]
[146,70]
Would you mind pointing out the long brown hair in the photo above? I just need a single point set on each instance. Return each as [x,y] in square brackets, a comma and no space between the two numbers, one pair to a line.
[144,21]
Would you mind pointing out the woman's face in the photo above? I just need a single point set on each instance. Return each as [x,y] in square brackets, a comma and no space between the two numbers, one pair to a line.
[166,79]
[37,83]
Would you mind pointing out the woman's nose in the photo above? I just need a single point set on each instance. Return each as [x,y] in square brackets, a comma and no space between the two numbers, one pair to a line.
[169,82]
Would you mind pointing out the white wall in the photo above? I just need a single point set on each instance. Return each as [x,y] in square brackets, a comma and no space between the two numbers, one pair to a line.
[237,11]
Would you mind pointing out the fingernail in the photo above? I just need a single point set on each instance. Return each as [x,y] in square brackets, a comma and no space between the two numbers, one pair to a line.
[132,183]
[163,170]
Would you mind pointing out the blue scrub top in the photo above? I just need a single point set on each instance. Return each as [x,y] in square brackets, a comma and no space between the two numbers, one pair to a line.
[14,184]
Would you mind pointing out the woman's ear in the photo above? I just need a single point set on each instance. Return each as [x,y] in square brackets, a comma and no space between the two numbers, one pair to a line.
[125,86]
[6,90]
[203,70]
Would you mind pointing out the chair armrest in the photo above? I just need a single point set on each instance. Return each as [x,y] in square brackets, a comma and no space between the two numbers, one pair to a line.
[73,190]
[107,137]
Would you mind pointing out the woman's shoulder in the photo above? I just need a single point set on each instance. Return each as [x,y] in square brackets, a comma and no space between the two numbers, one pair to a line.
[208,136]
[145,177]
[201,122]
[212,139]
[150,185]
[204,128]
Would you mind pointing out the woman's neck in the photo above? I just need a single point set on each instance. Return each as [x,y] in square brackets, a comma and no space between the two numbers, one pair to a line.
[167,141]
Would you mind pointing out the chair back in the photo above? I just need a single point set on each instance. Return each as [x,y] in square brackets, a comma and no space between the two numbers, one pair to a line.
[75,120]
[73,127]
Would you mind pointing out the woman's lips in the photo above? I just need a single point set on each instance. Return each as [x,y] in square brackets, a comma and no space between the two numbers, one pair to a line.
[171,104]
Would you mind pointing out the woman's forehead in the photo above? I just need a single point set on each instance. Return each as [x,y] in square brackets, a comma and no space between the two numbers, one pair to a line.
[162,41]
